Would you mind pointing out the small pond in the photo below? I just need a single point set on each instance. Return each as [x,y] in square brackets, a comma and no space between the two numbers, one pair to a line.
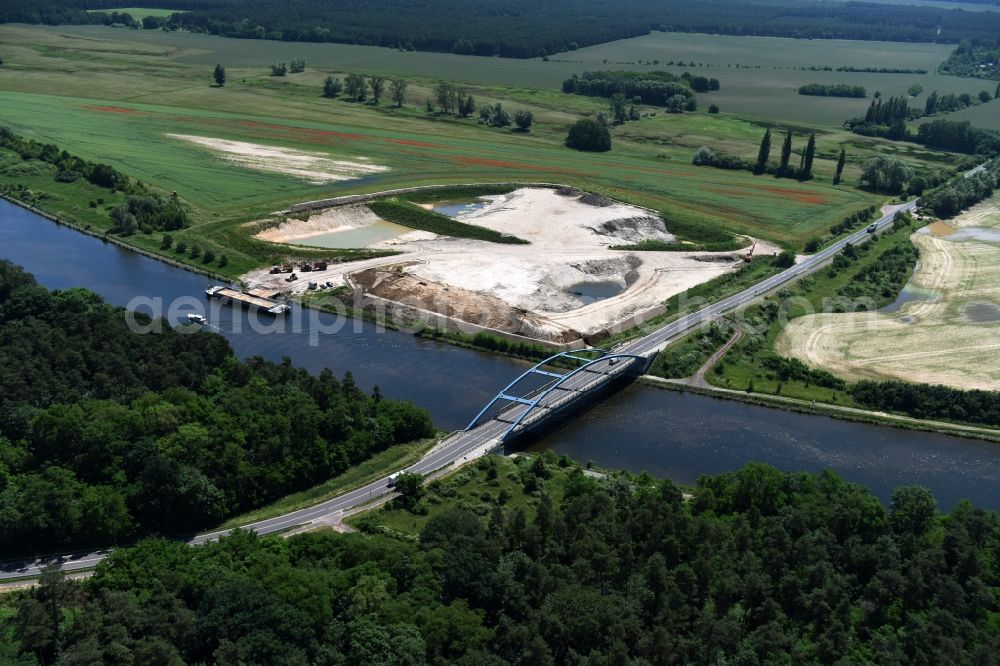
[982,312]
[591,292]
[357,237]
[909,294]
[976,234]
[456,209]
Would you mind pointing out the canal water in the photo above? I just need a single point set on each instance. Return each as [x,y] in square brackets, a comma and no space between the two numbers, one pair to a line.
[640,428]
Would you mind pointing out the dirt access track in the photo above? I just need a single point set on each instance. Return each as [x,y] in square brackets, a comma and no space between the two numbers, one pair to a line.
[947,333]
[566,286]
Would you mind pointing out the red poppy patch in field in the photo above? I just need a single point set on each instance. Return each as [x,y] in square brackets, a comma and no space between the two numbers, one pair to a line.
[797,196]
[110,109]
[503,164]
[309,135]
[731,192]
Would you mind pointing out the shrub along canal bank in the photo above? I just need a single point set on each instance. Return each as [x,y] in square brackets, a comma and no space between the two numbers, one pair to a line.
[826,409]
[667,433]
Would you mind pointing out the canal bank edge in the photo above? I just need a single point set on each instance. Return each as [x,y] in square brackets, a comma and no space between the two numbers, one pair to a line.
[114,241]
[826,409]
[780,402]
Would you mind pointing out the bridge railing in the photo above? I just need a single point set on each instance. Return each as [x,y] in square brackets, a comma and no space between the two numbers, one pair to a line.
[534,399]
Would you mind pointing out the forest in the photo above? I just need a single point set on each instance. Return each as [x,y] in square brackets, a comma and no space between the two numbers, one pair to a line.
[520,28]
[978,58]
[960,137]
[924,401]
[888,117]
[832,90]
[656,88]
[551,566]
[107,435]
[957,194]
[70,167]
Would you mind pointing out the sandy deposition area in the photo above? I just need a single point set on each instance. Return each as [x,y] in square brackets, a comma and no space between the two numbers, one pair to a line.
[567,284]
[343,218]
[950,335]
[315,168]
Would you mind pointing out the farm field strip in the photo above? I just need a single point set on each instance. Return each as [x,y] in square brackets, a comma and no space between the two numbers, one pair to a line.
[134,137]
[764,86]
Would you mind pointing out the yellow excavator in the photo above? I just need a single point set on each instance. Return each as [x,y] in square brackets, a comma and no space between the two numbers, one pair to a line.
[749,255]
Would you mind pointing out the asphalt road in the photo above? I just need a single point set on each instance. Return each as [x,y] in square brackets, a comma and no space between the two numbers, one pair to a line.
[460,445]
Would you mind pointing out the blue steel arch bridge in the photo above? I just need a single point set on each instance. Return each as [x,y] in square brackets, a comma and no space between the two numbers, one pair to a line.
[552,385]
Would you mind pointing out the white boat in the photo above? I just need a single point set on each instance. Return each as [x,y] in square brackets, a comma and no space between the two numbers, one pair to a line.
[196,319]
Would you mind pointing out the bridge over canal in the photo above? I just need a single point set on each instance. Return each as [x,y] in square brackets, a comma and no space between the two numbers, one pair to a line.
[548,388]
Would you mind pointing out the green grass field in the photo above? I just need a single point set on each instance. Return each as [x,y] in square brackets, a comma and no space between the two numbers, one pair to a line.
[114,96]
[764,86]
[134,139]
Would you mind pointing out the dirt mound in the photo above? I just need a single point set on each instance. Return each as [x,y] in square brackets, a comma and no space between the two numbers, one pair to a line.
[567,191]
[716,258]
[322,222]
[612,268]
[392,283]
[635,229]
[596,200]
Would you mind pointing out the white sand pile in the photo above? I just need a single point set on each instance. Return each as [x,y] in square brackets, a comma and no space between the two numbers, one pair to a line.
[343,218]
[567,263]
[315,168]
[542,216]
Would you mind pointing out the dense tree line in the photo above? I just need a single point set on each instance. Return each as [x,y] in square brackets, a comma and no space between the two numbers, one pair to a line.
[885,117]
[653,88]
[757,566]
[950,102]
[521,28]
[787,369]
[149,212]
[70,166]
[888,117]
[961,191]
[929,401]
[960,137]
[107,434]
[705,156]
[882,281]
[882,70]
[832,90]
